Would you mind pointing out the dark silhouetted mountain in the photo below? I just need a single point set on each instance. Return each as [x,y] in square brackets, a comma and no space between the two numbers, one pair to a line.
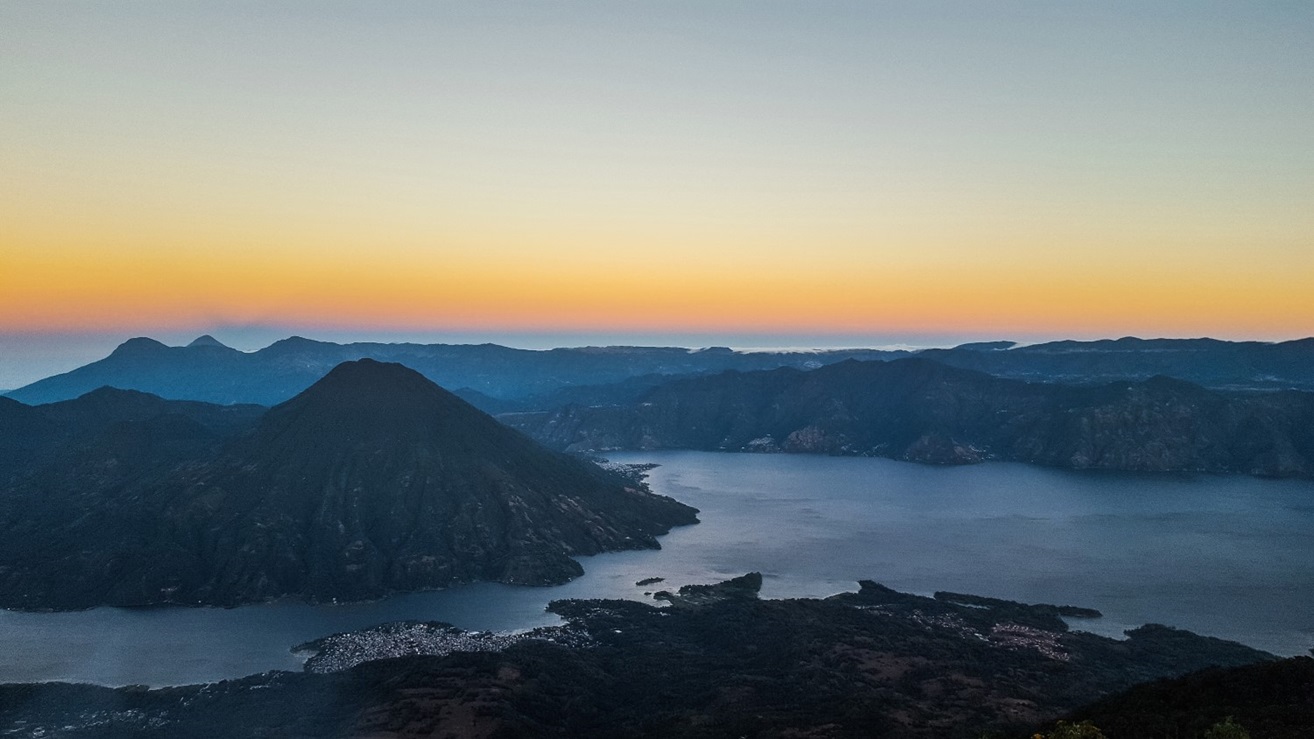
[371,481]
[33,438]
[1242,365]
[209,371]
[920,410]
[25,433]
[1270,700]
[719,663]
[97,409]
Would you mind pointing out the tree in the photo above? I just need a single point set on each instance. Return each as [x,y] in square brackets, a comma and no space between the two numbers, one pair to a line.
[1083,730]
[1227,729]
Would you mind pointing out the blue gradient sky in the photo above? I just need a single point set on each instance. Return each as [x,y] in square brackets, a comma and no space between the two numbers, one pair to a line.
[699,171]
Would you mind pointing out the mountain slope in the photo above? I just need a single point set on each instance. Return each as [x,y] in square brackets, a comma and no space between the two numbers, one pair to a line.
[24,431]
[371,481]
[1271,700]
[921,410]
[34,439]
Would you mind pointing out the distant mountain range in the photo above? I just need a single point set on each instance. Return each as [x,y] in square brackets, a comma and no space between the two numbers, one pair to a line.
[371,481]
[942,406]
[921,410]
[500,379]
[1223,365]
[208,371]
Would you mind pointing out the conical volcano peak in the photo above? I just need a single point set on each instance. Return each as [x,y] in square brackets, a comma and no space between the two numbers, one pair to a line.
[369,370]
[373,381]
[382,403]
[207,340]
[372,480]
[139,346]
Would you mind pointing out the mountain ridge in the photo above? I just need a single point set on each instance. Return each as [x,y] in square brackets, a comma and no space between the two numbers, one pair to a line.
[268,376]
[542,379]
[918,409]
[373,481]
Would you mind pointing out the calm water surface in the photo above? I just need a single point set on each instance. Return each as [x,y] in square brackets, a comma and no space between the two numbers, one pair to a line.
[1225,556]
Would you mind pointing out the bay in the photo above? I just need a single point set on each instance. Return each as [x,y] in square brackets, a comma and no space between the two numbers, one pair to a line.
[1226,556]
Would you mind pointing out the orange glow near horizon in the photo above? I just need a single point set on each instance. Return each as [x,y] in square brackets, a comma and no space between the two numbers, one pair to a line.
[98,288]
[872,171]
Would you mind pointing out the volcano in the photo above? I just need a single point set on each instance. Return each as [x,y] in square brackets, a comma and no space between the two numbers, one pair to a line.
[374,480]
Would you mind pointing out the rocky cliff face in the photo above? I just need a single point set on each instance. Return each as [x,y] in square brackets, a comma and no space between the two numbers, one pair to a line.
[374,480]
[923,411]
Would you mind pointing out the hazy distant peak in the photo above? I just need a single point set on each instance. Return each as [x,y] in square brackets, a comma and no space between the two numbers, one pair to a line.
[986,346]
[208,340]
[296,343]
[139,345]
[108,391]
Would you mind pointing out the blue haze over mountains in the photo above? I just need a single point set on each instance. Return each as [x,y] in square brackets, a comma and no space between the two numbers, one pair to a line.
[209,371]
[1164,405]
[204,495]
[498,378]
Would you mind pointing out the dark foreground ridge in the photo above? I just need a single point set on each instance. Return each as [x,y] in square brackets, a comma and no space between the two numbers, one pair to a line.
[1272,700]
[372,481]
[717,662]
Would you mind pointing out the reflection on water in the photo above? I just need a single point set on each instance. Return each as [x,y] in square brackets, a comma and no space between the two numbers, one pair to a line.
[1225,556]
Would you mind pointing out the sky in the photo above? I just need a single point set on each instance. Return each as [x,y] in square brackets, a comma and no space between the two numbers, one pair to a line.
[695,173]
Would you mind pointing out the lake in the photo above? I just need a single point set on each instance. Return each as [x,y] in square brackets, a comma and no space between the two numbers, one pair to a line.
[1225,556]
